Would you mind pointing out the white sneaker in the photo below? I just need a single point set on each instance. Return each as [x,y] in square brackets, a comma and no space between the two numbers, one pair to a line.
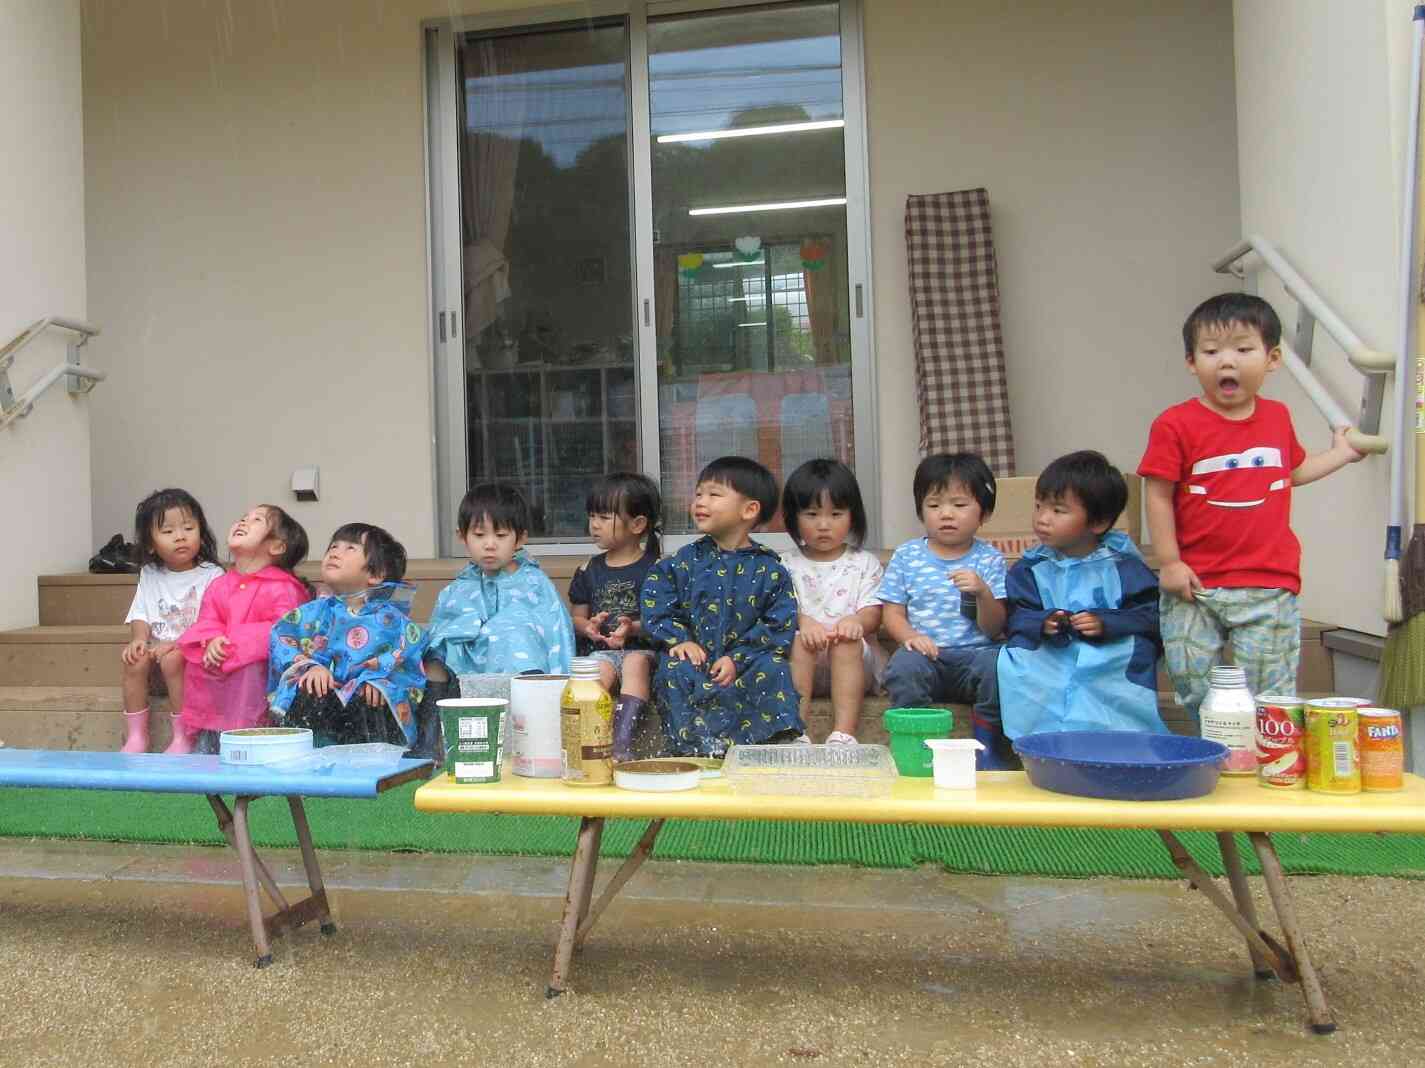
[841,738]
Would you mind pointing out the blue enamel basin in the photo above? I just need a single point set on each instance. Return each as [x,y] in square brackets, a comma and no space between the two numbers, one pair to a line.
[1121,765]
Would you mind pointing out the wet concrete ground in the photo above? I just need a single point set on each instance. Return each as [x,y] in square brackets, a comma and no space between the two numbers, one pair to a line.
[126,954]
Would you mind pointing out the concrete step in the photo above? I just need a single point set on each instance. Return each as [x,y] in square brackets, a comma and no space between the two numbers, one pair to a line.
[62,656]
[73,717]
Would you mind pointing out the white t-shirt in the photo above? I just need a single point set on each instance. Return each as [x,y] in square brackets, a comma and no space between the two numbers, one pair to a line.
[828,590]
[168,601]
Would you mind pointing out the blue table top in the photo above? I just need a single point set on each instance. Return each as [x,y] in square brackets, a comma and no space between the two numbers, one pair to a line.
[156,773]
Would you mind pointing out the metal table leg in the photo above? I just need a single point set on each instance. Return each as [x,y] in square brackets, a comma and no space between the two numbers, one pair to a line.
[1242,894]
[248,858]
[576,900]
[1322,1021]
[634,861]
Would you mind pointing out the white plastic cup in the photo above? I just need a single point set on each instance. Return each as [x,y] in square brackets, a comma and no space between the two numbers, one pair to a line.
[953,762]
[534,725]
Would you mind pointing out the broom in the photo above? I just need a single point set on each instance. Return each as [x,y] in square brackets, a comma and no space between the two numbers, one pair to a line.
[1394,610]
[1402,683]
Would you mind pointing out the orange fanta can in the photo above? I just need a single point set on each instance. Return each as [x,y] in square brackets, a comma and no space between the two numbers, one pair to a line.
[1382,749]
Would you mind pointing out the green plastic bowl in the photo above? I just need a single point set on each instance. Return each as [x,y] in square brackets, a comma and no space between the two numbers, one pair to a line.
[908,728]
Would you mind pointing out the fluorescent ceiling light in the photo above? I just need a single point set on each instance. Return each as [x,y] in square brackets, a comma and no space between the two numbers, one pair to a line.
[741,263]
[744,300]
[785,205]
[751,324]
[752,131]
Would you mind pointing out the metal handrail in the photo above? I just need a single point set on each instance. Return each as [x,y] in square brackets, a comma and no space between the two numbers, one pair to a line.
[79,379]
[1372,363]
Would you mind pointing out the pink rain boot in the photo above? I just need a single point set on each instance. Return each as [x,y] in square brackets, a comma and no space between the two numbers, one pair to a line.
[135,732]
[183,741]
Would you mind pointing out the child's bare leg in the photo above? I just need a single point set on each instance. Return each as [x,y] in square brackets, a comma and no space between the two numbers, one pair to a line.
[803,674]
[637,675]
[172,665]
[608,677]
[435,671]
[135,683]
[848,685]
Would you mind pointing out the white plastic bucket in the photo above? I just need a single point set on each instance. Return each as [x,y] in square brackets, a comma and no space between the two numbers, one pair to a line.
[954,762]
[534,725]
[263,745]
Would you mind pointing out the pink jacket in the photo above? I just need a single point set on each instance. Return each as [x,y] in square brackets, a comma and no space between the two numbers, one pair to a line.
[242,608]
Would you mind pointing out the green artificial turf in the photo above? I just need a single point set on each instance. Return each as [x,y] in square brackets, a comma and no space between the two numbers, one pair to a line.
[391,823]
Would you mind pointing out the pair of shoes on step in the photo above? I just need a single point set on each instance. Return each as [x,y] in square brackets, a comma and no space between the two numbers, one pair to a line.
[136,736]
[115,557]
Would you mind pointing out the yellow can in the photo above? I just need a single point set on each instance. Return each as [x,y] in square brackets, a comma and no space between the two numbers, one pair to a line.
[1333,756]
[586,727]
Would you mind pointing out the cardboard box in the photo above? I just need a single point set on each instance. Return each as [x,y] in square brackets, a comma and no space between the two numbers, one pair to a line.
[1011,528]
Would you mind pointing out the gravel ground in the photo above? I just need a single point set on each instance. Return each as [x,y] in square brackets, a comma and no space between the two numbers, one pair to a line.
[109,973]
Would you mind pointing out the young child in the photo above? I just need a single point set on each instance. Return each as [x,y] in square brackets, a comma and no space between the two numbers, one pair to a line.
[725,612]
[500,615]
[1220,470]
[624,511]
[1082,648]
[944,597]
[348,665]
[225,681]
[180,560]
[836,581]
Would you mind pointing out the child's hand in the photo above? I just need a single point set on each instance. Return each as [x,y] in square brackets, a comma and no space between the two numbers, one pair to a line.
[621,633]
[161,649]
[1179,580]
[813,636]
[692,652]
[848,630]
[215,652]
[1055,622]
[592,629]
[922,644]
[723,671]
[1342,446]
[317,681]
[967,581]
[135,651]
[371,695]
[1086,625]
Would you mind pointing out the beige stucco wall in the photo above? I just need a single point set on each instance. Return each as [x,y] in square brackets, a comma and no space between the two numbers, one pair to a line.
[1320,85]
[44,459]
[257,230]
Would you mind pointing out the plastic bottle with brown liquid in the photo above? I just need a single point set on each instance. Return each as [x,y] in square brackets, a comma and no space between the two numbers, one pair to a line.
[586,726]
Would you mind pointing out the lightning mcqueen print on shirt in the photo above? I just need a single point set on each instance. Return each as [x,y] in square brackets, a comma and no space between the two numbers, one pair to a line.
[1232,505]
[1258,465]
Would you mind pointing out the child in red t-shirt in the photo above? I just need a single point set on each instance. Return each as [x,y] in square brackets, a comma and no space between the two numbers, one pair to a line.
[1220,471]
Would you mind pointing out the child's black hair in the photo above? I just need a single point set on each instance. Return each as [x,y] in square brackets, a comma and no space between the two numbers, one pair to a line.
[748,478]
[292,534]
[149,514]
[385,556]
[1097,484]
[829,478]
[941,470]
[629,494]
[1233,309]
[501,506]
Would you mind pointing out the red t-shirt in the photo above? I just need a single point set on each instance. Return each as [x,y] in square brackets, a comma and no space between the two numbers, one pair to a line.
[1233,496]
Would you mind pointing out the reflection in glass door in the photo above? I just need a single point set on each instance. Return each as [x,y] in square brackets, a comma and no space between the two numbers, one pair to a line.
[547,288]
[750,241]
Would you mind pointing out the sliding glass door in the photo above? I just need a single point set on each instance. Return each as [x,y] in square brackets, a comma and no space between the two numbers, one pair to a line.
[642,251]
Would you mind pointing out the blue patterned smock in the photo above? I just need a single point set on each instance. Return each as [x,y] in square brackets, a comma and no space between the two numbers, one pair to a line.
[739,603]
[375,643]
[508,623]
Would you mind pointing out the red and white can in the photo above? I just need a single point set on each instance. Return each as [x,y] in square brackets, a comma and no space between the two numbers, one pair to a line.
[1281,742]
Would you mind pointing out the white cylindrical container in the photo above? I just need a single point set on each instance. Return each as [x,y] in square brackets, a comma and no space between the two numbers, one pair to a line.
[953,764]
[264,745]
[1229,715]
[534,725]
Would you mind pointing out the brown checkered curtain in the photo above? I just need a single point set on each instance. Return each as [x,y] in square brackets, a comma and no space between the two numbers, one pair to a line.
[959,347]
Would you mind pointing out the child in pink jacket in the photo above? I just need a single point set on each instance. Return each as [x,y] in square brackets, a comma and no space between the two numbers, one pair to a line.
[225,679]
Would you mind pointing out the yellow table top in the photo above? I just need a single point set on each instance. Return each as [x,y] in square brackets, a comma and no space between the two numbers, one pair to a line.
[1001,799]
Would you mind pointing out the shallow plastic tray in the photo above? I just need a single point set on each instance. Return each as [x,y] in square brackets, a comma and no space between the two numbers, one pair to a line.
[811,770]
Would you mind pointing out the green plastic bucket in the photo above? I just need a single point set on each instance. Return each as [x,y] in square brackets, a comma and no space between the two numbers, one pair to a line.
[908,728]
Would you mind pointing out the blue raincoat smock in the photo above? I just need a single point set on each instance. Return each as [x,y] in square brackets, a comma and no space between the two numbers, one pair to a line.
[374,643]
[738,603]
[508,623]
[1068,682]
